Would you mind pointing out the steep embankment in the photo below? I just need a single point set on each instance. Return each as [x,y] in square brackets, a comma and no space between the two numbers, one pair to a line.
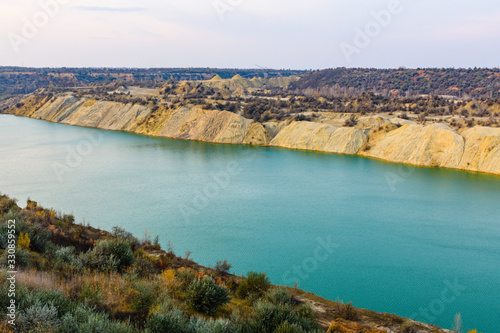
[395,140]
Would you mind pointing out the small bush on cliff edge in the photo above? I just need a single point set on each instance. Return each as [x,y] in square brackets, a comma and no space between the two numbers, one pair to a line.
[206,296]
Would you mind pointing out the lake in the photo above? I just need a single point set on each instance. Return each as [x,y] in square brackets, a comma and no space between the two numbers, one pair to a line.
[398,239]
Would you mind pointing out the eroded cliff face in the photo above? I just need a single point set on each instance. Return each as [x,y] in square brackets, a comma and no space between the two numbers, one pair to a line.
[435,145]
[395,140]
[482,150]
[321,137]
[189,123]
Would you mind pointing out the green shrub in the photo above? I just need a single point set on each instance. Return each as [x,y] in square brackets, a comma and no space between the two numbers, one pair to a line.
[100,323]
[82,312]
[118,232]
[40,317]
[56,298]
[172,321]
[143,266]
[3,239]
[23,258]
[65,254]
[243,325]
[6,204]
[90,295]
[268,317]
[68,219]
[206,296]
[279,295]
[255,283]
[69,324]
[289,328]
[39,237]
[97,259]
[186,278]
[15,214]
[306,318]
[108,256]
[119,248]
[142,298]
[200,325]
[84,319]
[223,266]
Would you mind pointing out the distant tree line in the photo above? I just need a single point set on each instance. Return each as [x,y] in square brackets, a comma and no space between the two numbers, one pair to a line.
[401,82]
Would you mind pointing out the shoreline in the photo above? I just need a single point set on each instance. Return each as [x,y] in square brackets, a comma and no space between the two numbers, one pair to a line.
[62,228]
[361,155]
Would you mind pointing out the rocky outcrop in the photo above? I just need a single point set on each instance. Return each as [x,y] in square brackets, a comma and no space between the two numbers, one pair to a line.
[395,140]
[239,82]
[482,150]
[436,145]
[320,137]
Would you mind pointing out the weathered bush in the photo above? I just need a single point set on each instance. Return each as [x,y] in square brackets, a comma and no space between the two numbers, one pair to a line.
[408,327]
[39,237]
[206,296]
[268,317]
[279,295]
[23,258]
[141,297]
[306,318]
[172,321]
[6,204]
[289,328]
[119,248]
[109,255]
[143,266]
[85,319]
[65,254]
[91,295]
[200,325]
[118,232]
[56,298]
[98,260]
[3,240]
[347,311]
[255,283]
[186,278]
[68,324]
[223,266]
[100,323]
[40,317]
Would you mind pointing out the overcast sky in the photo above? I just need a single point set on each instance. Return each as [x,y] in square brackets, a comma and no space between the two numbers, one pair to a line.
[249,33]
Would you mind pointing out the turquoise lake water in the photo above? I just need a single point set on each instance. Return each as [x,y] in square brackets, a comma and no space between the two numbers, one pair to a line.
[411,241]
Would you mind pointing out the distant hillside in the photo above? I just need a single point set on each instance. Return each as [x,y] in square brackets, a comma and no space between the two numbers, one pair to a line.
[20,80]
[403,82]
[239,82]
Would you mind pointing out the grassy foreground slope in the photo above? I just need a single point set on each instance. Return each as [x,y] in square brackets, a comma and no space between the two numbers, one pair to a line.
[75,278]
